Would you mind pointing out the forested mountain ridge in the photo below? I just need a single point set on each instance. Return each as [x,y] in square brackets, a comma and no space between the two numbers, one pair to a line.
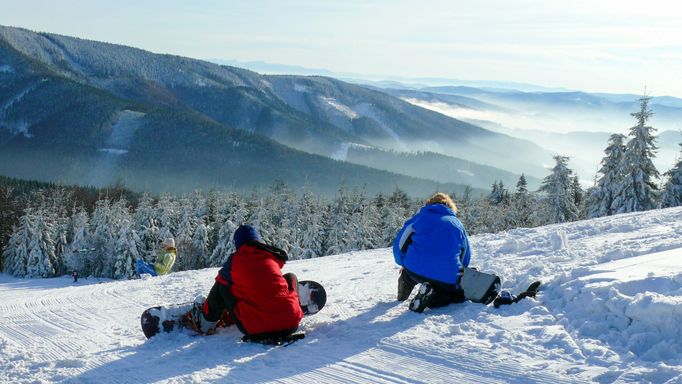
[85,95]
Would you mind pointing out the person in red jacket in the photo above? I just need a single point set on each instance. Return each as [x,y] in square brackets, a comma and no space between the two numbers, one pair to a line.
[251,292]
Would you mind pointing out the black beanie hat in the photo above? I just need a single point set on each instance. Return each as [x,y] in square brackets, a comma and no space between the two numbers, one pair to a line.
[244,234]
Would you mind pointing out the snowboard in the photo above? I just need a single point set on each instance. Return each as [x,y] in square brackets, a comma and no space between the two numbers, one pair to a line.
[311,297]
[480,287]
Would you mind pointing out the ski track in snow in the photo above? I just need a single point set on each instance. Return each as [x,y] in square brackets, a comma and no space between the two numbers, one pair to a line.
[609,311]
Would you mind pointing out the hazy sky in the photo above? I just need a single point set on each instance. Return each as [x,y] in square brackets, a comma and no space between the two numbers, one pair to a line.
[610,46]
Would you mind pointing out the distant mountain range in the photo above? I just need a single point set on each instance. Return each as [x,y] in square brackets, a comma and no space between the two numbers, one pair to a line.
[576,124]
[384,81]
[86,112]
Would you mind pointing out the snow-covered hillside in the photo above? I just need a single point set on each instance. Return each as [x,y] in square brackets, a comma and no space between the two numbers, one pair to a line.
[610,311]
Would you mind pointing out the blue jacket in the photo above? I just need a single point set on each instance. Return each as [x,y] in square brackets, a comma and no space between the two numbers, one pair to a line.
[433,244]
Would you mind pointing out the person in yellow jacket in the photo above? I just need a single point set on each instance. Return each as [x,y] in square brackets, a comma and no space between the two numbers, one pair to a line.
[164,261]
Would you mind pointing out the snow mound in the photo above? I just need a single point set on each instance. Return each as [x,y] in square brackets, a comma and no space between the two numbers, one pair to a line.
[633,305]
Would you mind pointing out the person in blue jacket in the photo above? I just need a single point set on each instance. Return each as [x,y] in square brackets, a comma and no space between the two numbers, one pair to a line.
[433,250]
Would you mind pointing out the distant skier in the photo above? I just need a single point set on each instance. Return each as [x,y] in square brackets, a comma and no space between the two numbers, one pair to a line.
[433,249]
[75,276]
[164,261]
[251,291]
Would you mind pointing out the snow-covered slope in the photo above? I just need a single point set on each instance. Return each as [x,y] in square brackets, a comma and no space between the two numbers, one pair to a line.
[610,311]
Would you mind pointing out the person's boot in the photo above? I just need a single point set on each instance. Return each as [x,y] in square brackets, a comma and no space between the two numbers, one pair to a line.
[504,298]
[530,292]
[405,286]
[423,298]
[196,320]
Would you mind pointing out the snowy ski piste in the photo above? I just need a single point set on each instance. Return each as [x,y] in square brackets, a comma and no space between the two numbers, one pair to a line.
[609,310]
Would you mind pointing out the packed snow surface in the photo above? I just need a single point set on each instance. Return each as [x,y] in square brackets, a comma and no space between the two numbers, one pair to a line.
[609,310]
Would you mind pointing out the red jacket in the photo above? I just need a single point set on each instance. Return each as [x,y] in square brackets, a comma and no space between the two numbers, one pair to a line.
[263,302]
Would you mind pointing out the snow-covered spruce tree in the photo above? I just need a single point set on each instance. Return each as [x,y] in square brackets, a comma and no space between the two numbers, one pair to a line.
[97,262]
[339,225]
[183,236]
[310,221]
[391,219]
[259,217]
[523,205]
[225,246]
[498,194]
[558,187]
[80,242]
[365,229]
[146,227]
[578,196]
[199,250]
[16,251]
[637,189]
[281,202]
[601,196]
[41,258]
[237,210]
[56,212]
[672,190]
[464,203]
[394,211]
[126,251]
[125,243]
[216,215]
[167,214]
[9,216]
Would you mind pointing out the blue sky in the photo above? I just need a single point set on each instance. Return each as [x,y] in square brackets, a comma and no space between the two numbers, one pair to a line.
[607,46]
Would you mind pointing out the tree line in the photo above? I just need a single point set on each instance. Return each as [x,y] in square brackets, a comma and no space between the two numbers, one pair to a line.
[49,230]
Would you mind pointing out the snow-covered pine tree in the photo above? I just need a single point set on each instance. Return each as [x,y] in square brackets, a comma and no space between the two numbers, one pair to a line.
[125,243]
[80,242]
[578,196]
[126,251]
[183,236]
[147,228]
[311,221]
[167,213]
[393,212]
[672,190]
[9,216]
[637,189]
[103,239]
[259,218]
[523,205]
[61,245]
[498,194]
[281,206]
[199,250]
[560,200]
[199,205]
[339,225]
[465,207]
[238,210]
[16,251]
[225,245]
[365,218]
[216,215]
[41,257]
[390,222]
[521,186]
[601,196]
